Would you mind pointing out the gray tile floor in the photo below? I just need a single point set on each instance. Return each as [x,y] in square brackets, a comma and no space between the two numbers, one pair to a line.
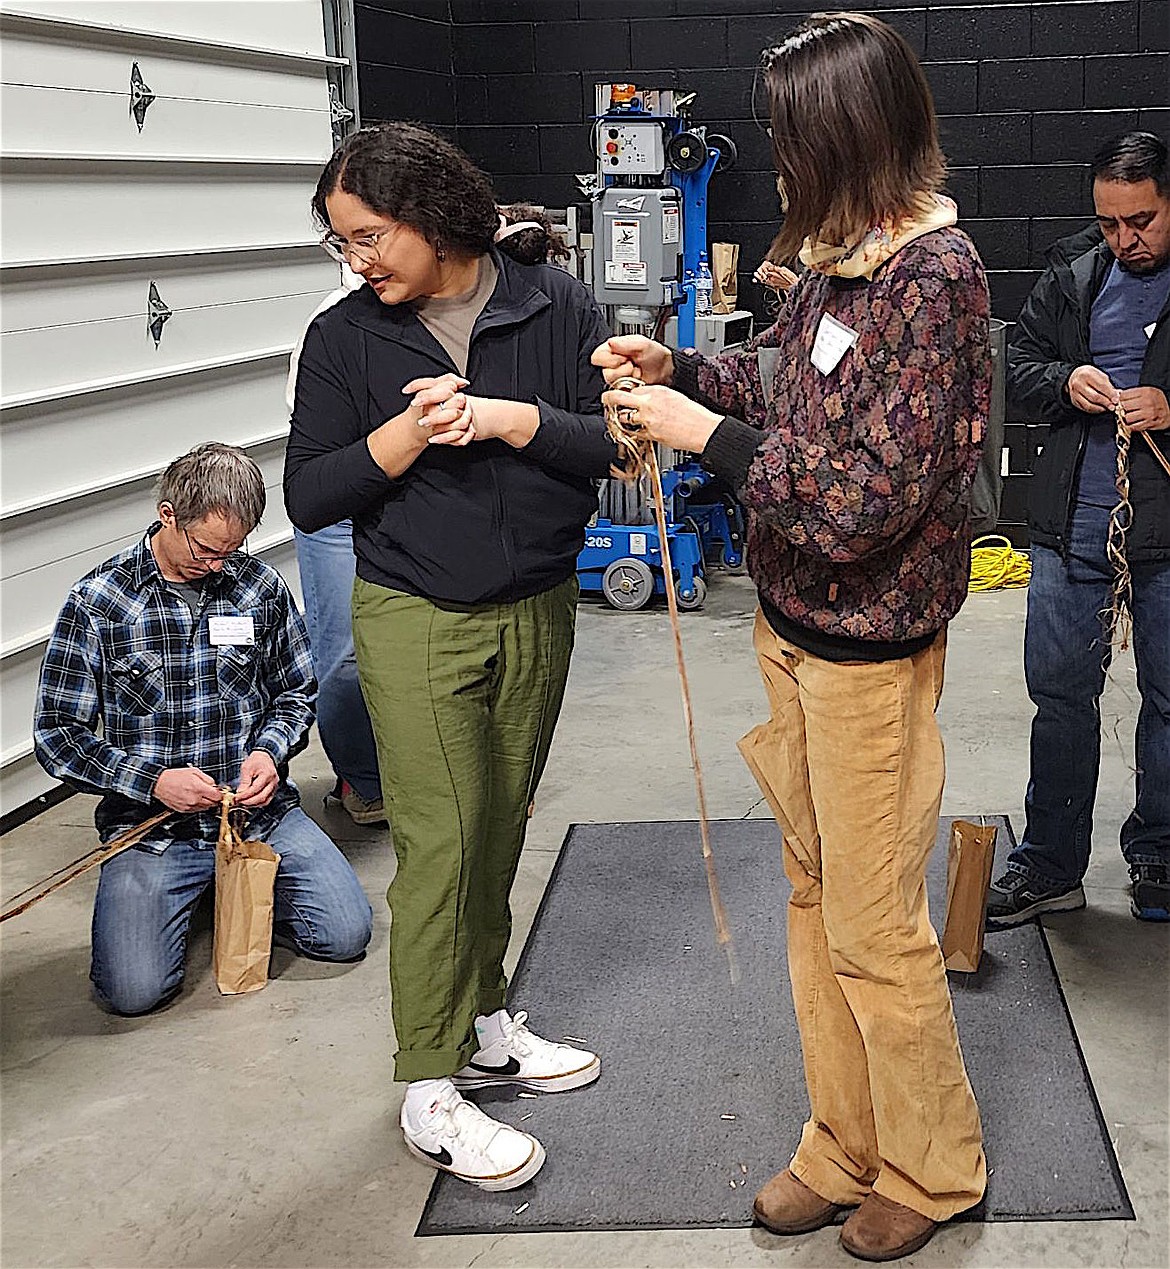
[262,1130]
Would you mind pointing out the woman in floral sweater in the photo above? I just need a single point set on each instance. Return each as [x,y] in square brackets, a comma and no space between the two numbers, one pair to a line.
[854,457]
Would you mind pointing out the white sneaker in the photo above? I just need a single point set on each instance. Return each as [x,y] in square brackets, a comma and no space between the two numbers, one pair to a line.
[457,1137]
[518,1056]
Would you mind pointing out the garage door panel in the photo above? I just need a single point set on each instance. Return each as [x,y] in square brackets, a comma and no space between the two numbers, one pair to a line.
[18,684]
[72,357]
[40,596]
[209,201]
[100,291]
[294,26]
[104,65]
[54,449]
[65,209]
[63,121]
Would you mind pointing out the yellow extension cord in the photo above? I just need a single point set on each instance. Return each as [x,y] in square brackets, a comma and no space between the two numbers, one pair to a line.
[996,564]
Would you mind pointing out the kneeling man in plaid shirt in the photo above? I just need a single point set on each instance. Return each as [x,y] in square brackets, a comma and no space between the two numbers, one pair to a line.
[177,668]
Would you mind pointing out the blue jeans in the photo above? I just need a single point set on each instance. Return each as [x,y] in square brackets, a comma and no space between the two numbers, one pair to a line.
[145,902]
[1065,659]
[326,563]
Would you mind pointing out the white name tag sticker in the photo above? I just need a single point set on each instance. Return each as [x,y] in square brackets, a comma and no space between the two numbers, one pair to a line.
[1153,326]
[234,631]
[834,339]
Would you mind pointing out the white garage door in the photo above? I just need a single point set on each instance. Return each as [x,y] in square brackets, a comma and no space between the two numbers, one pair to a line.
[158,263]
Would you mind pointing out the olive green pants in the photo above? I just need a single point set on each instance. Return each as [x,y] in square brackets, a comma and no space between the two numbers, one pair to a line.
[463,704]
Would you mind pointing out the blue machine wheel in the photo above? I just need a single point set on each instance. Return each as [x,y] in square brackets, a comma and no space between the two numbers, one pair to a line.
[628,584]
[697,597]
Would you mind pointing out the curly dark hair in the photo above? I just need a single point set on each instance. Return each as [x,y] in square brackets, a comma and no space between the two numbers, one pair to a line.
[532,245]
[418,178]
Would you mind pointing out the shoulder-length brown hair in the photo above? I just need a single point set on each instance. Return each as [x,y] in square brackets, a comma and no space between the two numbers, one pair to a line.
[854,135]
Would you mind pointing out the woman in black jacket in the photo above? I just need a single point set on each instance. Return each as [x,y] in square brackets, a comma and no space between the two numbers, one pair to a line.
[449,407]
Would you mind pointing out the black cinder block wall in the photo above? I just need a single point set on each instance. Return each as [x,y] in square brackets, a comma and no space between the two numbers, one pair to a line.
[1025,93]
[404,52]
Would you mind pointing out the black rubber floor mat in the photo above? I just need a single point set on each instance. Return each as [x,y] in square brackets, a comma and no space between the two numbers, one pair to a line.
[701,1095]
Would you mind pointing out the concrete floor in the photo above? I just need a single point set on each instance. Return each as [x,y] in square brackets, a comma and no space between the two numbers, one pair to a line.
[262,1130]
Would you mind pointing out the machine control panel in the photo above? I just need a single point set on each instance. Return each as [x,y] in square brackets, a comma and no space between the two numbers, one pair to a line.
[637,247]
[628,148]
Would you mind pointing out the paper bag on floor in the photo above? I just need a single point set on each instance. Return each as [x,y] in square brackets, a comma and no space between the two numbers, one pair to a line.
[245,877]
[969,864]
[724,284]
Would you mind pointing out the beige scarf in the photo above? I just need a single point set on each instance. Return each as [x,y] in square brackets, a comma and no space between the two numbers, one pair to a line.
[861,259]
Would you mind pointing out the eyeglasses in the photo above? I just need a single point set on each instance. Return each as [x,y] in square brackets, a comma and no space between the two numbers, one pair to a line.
[204,556]
[365,249]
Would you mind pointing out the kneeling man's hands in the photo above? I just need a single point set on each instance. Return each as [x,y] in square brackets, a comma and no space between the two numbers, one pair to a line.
[187,789]
[258,780]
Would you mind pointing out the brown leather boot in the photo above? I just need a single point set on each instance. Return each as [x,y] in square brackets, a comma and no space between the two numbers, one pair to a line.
[787,1206]
[883,1230]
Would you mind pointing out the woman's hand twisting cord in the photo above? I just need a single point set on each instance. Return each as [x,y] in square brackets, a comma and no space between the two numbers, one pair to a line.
[665,415]
[634,357]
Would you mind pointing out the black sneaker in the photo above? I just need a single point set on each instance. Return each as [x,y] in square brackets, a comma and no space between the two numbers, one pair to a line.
[1150,894]
[1014,898]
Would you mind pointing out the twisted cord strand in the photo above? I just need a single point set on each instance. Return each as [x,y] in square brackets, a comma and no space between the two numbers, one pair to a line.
[99,855]
[637,461]
[1119,615]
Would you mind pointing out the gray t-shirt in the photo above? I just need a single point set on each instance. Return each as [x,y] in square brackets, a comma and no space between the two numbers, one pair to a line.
[191,593]
[450,319]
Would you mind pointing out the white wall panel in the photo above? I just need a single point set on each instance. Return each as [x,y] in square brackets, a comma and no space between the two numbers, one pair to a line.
[63,448]
[209,201]
[103,63]
[291,25]
[91,208]
[58,121]
[70,357]
[101,290]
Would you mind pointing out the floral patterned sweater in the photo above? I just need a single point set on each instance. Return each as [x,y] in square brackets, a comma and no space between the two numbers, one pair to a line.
[857,481]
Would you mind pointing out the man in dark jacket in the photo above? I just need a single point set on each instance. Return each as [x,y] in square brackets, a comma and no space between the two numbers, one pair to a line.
[1092,341]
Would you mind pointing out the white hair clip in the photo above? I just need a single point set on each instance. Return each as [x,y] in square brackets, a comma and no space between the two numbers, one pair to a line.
[506,231]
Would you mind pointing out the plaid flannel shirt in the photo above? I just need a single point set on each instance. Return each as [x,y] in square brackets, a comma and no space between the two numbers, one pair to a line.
[131,685]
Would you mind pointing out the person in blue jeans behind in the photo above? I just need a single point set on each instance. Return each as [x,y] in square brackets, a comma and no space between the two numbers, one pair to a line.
[327,567]
[176,669]
[1094,336]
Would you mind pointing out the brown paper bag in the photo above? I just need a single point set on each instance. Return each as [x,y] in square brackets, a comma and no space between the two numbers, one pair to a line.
[245,876]
[724,284]
[969,865]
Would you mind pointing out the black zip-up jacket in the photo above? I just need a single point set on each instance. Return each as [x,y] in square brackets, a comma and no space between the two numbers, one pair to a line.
[481,524]
[1050,340]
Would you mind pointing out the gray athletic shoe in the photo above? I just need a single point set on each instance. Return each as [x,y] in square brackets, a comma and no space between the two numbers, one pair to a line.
[1014,898]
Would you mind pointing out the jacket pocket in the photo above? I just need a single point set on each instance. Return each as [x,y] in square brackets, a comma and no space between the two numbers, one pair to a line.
[139,683]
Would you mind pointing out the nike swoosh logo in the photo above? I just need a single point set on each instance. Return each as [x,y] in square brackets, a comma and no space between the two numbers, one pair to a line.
[442,1155]
[510,1067]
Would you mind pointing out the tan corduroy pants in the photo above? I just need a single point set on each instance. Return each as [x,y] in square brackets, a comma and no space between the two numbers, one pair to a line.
[851,762]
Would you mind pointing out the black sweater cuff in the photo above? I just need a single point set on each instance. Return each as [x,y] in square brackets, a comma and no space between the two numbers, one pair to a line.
[686,378]
[730,451]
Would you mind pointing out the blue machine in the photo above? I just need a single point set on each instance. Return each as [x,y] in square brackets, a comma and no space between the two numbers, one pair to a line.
[650,229]
[623,563]
[717,519]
